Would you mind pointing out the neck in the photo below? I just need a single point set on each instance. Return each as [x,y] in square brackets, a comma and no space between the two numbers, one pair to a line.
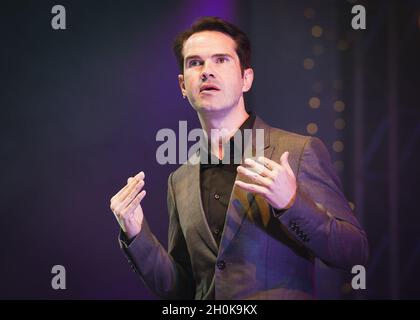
[227,120]
[224,124]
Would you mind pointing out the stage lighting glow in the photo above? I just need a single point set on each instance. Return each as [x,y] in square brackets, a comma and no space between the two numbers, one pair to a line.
[338,146]
[308,63]
[314,102]
[309,13]
[312,128]
[339,106]
[316,31]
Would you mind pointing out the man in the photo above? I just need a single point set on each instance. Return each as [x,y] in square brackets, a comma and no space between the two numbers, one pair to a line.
[249,231]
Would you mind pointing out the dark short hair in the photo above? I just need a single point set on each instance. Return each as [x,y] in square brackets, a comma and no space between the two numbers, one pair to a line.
[243,45]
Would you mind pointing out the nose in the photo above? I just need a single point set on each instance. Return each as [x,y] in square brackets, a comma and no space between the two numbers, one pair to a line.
[207,71]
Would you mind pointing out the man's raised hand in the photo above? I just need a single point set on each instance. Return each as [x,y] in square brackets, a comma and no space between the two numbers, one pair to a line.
[274,181]
[126,205]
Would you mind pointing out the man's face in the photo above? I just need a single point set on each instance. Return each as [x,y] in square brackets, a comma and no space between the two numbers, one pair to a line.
[212,78]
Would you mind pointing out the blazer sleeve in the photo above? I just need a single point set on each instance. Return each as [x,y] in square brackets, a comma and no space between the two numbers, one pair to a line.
[167,273]
[321,218]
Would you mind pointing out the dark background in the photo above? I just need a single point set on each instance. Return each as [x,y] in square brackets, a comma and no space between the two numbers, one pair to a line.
[80,109]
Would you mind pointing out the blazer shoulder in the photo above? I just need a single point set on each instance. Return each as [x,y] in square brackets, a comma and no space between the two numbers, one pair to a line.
[277,132]
[279,136]
[291,140]
[299,147]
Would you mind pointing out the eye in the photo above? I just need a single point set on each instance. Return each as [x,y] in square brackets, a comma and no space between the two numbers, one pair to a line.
[194,63]
[221,59]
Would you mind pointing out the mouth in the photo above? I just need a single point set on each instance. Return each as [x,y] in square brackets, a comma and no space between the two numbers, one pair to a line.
[206,88]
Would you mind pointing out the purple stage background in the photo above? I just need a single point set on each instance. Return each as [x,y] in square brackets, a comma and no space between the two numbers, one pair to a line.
[80,109]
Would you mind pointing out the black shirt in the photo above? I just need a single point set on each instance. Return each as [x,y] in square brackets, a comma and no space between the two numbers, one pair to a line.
[216,184]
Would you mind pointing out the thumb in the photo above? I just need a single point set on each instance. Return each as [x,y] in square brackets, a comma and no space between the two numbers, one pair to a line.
[284,158]
[284,161]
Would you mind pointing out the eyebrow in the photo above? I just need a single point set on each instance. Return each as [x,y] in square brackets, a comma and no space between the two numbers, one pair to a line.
[217,55]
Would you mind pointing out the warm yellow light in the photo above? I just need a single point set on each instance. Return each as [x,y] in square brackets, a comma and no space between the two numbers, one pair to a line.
[309,13]
[316,31]
[312,128]
[314,102]
[339,106]
[338,146]
[308,63]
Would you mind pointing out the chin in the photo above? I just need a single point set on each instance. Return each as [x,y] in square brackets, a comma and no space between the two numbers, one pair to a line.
[209,107]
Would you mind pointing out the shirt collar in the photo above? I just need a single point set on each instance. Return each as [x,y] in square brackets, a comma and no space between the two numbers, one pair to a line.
[213,160]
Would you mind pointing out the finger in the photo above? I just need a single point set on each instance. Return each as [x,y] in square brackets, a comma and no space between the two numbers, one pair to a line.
[121,191]
[258,168]
[136,201]
[139,175]
[251,187]
[124,200]
[254,176]
[129,182]
[283,158]
[134,191]
[127,190]
[268,163]
[132,183]
[284,161]
[124,192]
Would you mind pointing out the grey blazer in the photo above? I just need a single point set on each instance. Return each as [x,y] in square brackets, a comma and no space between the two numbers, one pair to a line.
[262,254]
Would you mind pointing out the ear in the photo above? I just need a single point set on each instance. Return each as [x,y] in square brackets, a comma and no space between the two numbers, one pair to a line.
[182,85]
[248,79]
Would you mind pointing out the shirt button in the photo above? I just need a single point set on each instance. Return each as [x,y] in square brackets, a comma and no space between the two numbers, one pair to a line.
[216,231]
[216,196]
[221,265]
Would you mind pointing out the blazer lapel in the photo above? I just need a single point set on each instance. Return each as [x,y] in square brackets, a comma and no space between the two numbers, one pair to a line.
[241,202]
[194,204]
